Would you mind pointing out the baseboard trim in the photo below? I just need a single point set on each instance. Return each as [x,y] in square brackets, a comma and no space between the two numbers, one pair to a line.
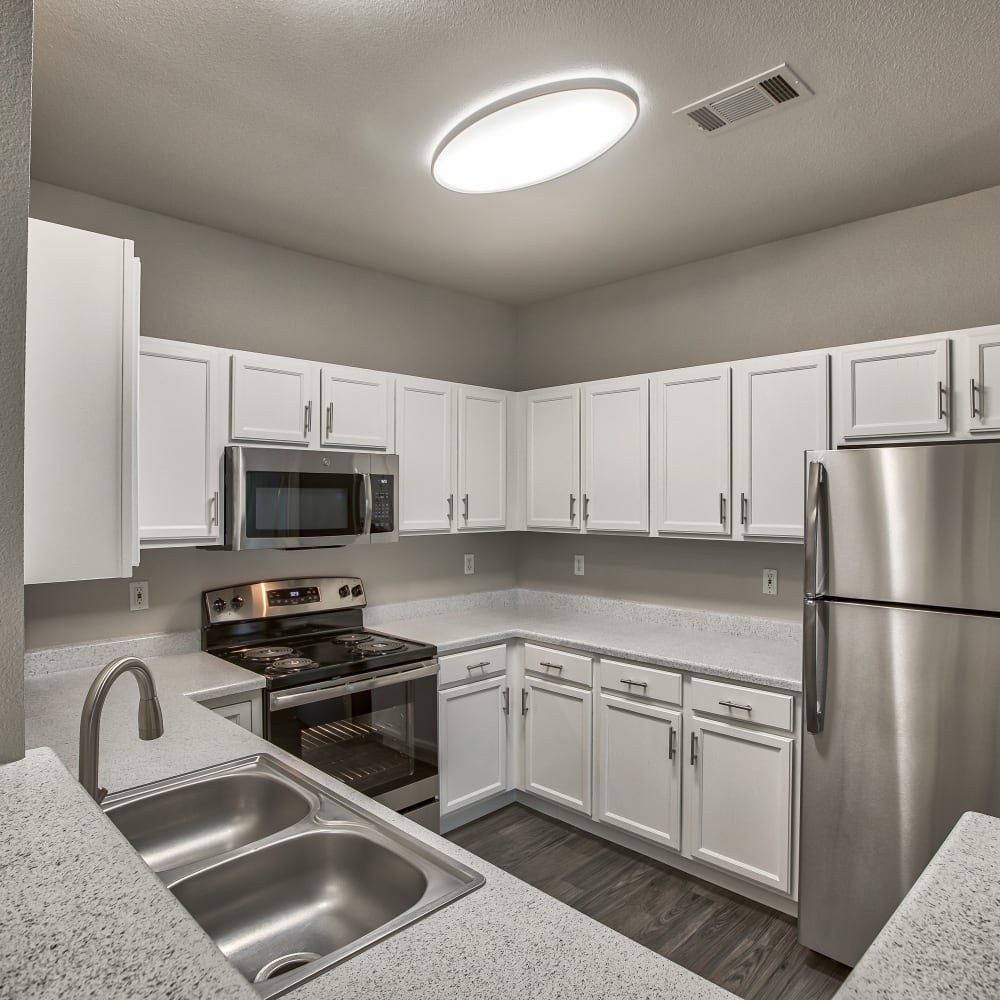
[452,821]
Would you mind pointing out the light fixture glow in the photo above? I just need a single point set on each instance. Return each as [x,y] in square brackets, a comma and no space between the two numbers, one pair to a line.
[535,136]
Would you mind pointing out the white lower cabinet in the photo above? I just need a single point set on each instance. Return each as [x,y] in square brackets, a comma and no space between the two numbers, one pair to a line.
[637,769]
[472,734]
[741,801]
[557,742]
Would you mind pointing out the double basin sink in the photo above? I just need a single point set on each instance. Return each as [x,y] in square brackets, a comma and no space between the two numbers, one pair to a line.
[287,877]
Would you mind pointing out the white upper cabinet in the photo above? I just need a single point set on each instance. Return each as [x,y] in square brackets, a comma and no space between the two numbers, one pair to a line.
[80,420]
[482,457]
[977,381]
[425,442]
[357,407]
[182,431]
[552,455]
[894,389]
[616,455]
[780,411]
[273,400]
[690,449]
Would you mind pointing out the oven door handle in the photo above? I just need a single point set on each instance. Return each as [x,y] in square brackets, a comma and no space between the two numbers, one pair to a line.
[337,689]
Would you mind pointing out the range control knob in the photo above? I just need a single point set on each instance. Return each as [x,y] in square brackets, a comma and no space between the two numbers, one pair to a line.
[218,605]
[236,603]
[344,591]
[356,590]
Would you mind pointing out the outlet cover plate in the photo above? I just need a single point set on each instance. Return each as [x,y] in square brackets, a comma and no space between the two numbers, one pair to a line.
[578,565]
[138,596]
[470,563]
[771,582]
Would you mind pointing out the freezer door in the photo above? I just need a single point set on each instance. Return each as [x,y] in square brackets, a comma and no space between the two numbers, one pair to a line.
[915,525]
[911,741]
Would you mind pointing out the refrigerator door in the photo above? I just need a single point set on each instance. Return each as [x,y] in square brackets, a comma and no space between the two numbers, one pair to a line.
[910,742]
[914,525]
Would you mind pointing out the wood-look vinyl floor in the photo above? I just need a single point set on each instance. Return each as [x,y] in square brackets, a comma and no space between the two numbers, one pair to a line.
[742,946]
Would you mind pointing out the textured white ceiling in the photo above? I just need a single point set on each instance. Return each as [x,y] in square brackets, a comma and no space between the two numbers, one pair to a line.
[310,123]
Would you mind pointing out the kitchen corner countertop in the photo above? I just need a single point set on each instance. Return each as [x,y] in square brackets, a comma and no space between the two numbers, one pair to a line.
[91,920]
[772,662]
[943,941]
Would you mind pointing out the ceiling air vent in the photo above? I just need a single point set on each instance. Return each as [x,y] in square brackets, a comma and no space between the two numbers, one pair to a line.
[749,99]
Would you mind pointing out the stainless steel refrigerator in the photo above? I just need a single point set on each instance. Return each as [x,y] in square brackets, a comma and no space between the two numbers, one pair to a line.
[901,675]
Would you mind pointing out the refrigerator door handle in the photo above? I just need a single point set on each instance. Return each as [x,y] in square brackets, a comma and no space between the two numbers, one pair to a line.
[814,527]
[814,665]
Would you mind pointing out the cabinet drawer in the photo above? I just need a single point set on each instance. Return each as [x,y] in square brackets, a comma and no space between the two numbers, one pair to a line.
[472,665]
[643,682]
[557,665]
[742,704]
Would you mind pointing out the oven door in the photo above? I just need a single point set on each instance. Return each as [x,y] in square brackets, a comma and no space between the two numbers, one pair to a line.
[377,733]
[282,499]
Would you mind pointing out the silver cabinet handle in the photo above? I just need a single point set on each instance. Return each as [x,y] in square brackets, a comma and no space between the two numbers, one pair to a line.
[736,704]
[976,411]
[551,666]
[329,419]
[632,684]
[586,507]
[524,701]
[478,666]
[694,748]
[942,397]
[451,506]
[506,701]
[743,508]
[465,506]
[213,507]
[722,509]
[672,749]
[813,529]
[572,508]
[309,417]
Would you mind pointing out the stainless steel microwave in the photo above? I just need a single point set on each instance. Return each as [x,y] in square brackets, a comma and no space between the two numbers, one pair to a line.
[277,498]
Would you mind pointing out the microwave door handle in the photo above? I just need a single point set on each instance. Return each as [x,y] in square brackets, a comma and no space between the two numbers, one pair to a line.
[366,516]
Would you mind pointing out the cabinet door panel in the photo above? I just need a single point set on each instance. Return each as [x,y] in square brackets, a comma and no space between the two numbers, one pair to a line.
[273,399]
[482,457]
[552,428]
[181,434]
[782,410]
[638,769]
[616,455]
[557,743]
[81,348]
[894,390]
[690,444]
[979,380]
[743,802]
[425,443]
[356,408]
[473,737]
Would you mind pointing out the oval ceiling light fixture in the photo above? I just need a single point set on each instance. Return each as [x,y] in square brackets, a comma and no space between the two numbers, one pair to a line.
[535,136]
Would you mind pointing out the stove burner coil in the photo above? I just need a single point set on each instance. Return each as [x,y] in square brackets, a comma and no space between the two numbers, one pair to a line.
[262,654]
[380,646]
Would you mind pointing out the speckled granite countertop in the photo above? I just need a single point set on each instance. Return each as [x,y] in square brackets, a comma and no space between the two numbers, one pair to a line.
[771,659]
[943,941]
[504,941]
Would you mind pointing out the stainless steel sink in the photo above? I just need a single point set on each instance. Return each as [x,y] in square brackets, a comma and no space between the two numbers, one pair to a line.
[287,877]
[189,821]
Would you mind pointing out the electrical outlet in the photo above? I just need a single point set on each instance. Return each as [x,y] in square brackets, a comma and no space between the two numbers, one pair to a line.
[771,582]
[138,594]
[578,565]
[470,563]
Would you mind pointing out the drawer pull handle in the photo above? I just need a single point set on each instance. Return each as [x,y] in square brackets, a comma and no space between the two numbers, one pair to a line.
[632,684]
[736,704]
[478,666]
[672,751]
[552,666]
[694,748]
[506,701]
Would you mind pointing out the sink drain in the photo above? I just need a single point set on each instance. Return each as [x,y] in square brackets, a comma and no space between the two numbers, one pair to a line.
[286,963]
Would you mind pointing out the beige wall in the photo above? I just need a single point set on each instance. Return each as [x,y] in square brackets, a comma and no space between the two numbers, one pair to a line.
[15,129]
[922,270]
[206,286]
[918,271]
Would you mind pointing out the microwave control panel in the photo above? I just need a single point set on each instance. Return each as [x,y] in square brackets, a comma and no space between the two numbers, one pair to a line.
[383,514]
